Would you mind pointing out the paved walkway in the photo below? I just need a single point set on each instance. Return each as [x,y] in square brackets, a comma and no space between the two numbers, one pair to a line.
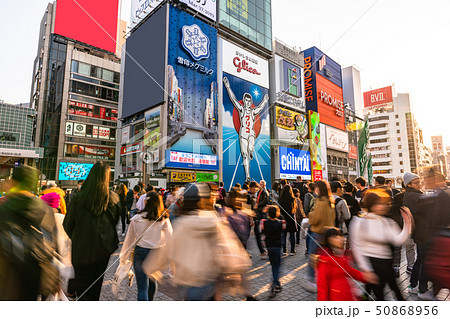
[292,276]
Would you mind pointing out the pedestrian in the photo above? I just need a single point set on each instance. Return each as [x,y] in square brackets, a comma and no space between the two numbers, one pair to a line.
[273,228]
[288,209]
[75,191]
[150,229]
[122,192]
[299,214]
[334,270]
[373,237]
[240,219]
[53,188]
[91,224]
[202,248]
[380,183]
[172,197]
[27,240]
[262,199]
[390,185]
[275,192]
[251,201]
[352,203]
[132,200]
[322,216]
[341,208]
[222,195]
[360,184]
[300,185]
[140,204]
[308,205]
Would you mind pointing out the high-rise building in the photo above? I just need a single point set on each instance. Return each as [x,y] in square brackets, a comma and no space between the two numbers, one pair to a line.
[351,86]
[396,141]
[75,88]
[439,155]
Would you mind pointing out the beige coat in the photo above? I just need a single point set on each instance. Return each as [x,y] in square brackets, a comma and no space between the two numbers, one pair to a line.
[322,216]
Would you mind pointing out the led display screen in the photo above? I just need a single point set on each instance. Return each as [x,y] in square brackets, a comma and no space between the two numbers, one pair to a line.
[74,171]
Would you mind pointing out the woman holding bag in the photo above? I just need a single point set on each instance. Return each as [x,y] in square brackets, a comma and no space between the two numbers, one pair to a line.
[149,230]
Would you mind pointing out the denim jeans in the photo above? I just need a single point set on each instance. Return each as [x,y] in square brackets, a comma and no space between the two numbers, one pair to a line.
[146,286]
[291,239]
[203,293]
[258,236]
[133,212]
[418,272]
[313,246]
[275,262]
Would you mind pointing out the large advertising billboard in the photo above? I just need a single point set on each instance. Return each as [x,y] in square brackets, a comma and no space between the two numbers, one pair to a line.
[379,98]
[140,9]
[144,74]
[192,86]
[294,162]
[315,146]
[91,22]
[291,126]
[152,129]
[191,160]
[337,139]
[74,171]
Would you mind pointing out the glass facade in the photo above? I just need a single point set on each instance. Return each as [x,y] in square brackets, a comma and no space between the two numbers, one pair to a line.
[250,18]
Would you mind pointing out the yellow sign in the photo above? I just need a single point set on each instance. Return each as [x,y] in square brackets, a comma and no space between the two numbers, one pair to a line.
[183,177]
[239,7]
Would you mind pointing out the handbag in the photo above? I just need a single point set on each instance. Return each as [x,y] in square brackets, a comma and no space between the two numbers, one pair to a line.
[123,280]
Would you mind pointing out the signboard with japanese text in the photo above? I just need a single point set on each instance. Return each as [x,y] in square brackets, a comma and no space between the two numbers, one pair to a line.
[337,139]
[208,8]
[191,160]
[294,162]
[291,126]
[315,145]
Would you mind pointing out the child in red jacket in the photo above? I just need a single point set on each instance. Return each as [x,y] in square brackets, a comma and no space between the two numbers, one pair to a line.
[334,271]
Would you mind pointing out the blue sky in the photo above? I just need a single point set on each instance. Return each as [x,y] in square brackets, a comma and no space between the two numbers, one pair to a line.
[402,42]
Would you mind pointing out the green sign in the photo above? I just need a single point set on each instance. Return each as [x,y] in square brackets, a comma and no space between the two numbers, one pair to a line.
[208,177]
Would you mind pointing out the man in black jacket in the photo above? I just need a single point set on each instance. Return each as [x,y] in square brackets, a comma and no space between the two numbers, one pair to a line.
[131,200]
[252,200]
[262,199]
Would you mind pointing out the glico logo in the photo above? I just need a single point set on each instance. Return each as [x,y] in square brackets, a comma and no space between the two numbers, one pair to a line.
[243,65]
[309,94]
[195,42]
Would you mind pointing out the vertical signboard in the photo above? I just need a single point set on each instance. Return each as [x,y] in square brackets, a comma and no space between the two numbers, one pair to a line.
[323,148]
[151,131]
[192,87]
[315,148]
[246,126]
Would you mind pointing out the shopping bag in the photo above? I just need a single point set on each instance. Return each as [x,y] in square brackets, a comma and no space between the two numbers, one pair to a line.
[304,228]
[123,280]
[58,296]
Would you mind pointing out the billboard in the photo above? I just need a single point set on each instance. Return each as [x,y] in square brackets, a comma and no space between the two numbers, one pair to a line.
[191,160]
[292,82]
[330,103]
[140,9]
[78,129]
[151,130]
[353,152]
[291,126]
[294,163]
[91,22]
[192,86]
[74,171]
[315,146]
[146,50]
[131,149]
[379,98]
[337,139]
[208,8]
[246,131]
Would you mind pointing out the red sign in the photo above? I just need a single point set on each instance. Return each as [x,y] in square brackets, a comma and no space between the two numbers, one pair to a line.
[352,152]
[243,65]
[130,149]
[317,175]
[91,22]
[330,104]
[378,98]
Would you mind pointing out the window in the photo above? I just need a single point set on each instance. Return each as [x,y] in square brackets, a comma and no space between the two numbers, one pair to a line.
[402,171]
[84,69]
[74,66]
[328,159]
[400,154]
[401,162]
[344,162]
[396,116]
[340,161]
[398,139]
[399,147]
[334,160]
[398,131]
[108,75]
[397,124]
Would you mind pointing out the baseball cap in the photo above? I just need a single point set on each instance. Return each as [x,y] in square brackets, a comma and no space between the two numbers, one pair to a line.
[196,191]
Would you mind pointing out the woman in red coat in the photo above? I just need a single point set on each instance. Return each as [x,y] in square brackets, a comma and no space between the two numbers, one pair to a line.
[334,271]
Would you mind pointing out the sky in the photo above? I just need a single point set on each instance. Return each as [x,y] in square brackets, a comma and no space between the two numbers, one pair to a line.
[402,42]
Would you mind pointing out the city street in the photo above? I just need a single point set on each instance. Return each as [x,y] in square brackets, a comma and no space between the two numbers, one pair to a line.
[292,276]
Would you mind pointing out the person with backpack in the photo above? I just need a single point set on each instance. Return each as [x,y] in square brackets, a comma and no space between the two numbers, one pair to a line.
[273,228]
[353,205]
[341,208]
[323,215]
[27,241]
[91,223]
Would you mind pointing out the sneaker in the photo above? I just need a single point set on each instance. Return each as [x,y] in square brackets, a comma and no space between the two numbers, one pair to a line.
[272,292]
[264,256]
[409,270]
[413,290]
[397,272]
[292,254]
[310,286]
[426,296]
[284,254]
[278,289]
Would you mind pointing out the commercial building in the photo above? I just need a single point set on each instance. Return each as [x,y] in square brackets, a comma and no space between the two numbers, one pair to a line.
[180,122]
[16,138]
[75,88]
[351,85]
[395,137]
[439,154]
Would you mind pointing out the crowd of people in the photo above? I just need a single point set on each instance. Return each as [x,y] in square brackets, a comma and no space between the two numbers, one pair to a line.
[53,243]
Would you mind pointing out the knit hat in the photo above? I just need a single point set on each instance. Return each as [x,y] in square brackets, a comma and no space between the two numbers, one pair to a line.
[409,177]
[52,199]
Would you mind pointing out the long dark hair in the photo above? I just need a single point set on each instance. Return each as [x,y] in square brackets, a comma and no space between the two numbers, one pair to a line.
[325,190]
[122,190]
[154,206]
[95,194]
[287,199]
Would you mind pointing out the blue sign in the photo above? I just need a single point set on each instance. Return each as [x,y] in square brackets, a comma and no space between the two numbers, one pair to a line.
[192,112]
[74,171]
[294,163]
[246,132]
[191,160]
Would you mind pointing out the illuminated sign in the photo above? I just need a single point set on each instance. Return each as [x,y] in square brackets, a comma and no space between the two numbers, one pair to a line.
[79,129]
[191,160]
[331,101]
[337,139]
[182,177]
[294,163]
[292,126]
[353,152]
[195,42]
[74,171]
[288,53]
[315,145]
[309,80]
[140,9]
[130,149]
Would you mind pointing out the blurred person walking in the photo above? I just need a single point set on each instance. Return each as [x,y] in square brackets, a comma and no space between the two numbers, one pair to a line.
[252,201]
[273,229]
[288,209]
[341,208]
[373,237]
[360,184]
[132,200]
[91,225]
[323,215]
[240,219]
[299,214]
[149,230]
[122,192]
[27,240]
[334,270]
[53,188]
